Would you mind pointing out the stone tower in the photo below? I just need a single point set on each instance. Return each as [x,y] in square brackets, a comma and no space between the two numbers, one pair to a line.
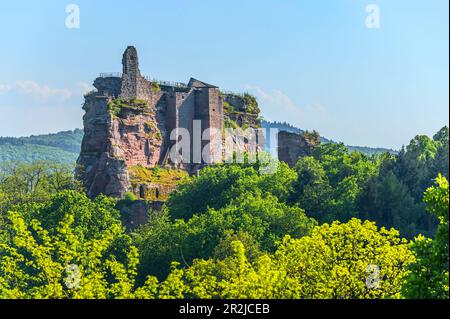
[209,110]
[131,75]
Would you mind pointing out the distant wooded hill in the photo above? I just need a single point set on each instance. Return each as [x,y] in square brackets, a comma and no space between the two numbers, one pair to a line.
[64,147]
[283,126]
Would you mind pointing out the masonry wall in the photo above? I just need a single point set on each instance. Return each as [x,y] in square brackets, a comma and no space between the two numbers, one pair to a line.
[215,122]
[131,74]
[133,84]
[109,86]
[202,112]
[209,109]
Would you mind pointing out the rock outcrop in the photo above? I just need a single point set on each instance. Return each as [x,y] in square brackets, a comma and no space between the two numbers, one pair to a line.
[99,167]
[291,146]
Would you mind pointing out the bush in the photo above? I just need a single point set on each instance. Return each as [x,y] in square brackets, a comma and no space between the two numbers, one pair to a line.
[129,196]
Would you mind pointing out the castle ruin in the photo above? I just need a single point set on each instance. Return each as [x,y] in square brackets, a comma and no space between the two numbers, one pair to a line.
[132,124]
[128,122]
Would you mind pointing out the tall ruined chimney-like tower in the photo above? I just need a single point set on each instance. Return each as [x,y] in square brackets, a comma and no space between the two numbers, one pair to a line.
[131,77]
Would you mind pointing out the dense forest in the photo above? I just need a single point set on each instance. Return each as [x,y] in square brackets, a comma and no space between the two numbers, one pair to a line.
[340,224]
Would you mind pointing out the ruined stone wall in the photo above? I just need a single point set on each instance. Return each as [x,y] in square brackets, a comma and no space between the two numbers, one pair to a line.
[127,129]
[131,74]
[209,109]
[180,115]
[133,84]
[171,115]
[215,122]
[109,86]
[186,110]
[186,115]
[158,101]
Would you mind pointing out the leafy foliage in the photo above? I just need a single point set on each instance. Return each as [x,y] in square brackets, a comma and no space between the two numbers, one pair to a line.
[331,182]
[215,187]
[263,221]
[331,263]
[394,196]
[23,184]
[236,231]
[336,184]
[428,277]
[154,87]
[37,264]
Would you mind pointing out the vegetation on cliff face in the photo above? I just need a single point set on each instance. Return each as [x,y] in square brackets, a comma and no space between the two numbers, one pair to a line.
[233,232]
[154,87]
[140,174]
[229,123]
[152,131]
[250,104]
[163,179]
[245,103]
[116,106]
[240,111]
[227,107]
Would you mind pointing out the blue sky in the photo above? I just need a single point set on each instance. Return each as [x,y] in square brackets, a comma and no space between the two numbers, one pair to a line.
[312,63]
